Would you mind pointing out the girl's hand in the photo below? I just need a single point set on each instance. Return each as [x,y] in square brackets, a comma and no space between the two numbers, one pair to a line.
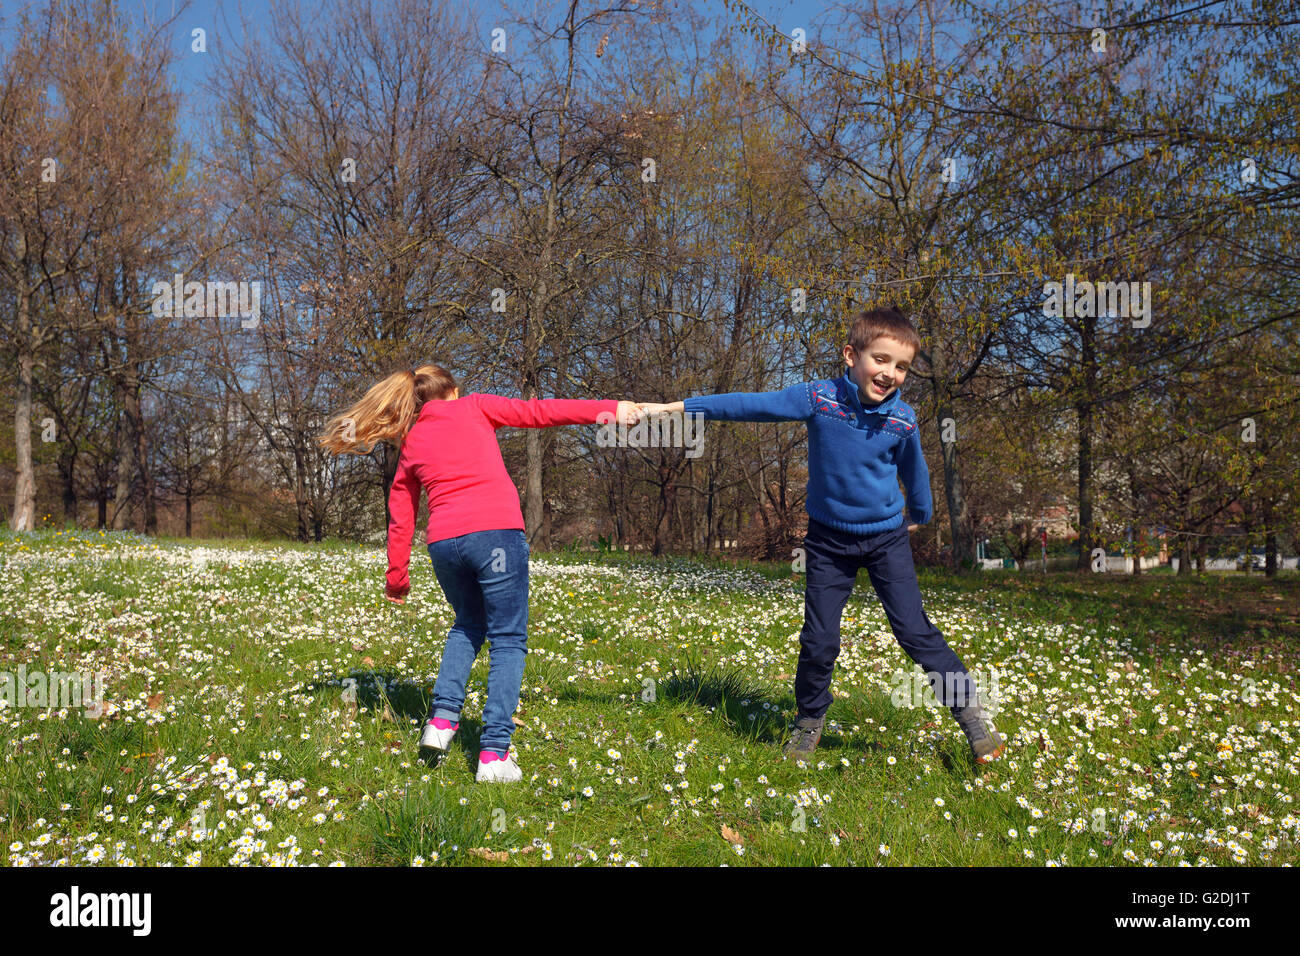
[397,597]
[628,413]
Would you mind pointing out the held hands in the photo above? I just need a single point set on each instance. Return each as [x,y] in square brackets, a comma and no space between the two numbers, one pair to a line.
[655,408]
[628,413]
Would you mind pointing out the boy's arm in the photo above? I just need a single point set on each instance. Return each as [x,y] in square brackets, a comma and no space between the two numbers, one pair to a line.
[543,412]
[403,504]
[787,405]
[916,479]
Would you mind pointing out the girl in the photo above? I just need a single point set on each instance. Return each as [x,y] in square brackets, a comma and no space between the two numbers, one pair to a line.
[476,540]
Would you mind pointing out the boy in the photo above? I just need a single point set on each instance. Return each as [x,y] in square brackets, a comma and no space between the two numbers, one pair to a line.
[861,438]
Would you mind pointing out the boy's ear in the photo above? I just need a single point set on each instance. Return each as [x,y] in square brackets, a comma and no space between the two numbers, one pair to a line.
[850,356]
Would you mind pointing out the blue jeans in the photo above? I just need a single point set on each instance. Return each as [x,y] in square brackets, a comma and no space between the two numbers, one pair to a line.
[484,575]
[833,560]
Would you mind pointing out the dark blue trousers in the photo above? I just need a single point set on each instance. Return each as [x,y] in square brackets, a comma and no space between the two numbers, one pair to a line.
[832,562]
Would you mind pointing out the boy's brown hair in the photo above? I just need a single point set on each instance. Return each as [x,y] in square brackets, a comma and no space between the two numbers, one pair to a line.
[871,324]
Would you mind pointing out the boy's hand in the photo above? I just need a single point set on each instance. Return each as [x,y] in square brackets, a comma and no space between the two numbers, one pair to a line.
[912,527]
[629,413]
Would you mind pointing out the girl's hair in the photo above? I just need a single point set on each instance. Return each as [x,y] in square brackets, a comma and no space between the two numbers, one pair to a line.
[387,411]
[873,323]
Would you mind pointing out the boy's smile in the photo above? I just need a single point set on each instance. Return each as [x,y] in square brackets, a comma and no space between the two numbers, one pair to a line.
[879,368]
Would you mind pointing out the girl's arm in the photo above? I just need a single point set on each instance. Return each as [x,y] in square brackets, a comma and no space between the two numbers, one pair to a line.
[547,412]
[788,405]
[403,504]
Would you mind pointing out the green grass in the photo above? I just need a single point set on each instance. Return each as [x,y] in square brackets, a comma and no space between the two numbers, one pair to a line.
[1147,719]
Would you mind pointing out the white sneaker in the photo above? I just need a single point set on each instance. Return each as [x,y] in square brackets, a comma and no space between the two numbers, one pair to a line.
[494,769]
[438,734]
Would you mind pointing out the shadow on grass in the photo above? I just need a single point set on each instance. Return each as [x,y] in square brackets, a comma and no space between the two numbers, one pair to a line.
[586,695]
[376,690]
[405,702]
[748,710]
[870,711]
[1162,613]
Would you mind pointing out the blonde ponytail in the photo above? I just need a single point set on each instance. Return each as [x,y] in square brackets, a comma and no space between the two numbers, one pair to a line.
[387,411]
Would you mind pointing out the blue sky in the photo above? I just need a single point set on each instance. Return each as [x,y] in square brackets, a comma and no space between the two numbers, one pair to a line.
[224,17]
[221,17]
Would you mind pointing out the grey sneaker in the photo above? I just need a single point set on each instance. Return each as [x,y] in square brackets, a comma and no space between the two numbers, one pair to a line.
[985,744]
[803,738]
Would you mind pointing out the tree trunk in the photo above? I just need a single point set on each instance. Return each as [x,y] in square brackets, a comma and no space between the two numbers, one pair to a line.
[954,490]
[130,437]
[533,516]
[1084,409]
[388,461]
[662,506]
[68,472]
[24,513]
[1270,554]
[533,505]
[126,445]
[300,494]
[708,512]
[146,476]
[1136,533]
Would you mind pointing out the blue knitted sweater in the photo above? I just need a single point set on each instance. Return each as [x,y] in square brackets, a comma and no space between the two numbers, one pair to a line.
[856,452]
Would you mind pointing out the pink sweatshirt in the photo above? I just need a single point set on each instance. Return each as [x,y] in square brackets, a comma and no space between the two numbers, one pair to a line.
[452,453]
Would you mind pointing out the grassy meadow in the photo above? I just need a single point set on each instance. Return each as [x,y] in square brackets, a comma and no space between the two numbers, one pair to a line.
[263,703]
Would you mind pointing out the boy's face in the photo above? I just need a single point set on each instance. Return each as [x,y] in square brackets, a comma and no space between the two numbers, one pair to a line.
[879,368]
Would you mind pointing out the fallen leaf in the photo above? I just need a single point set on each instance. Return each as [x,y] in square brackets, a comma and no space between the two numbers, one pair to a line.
[368,661]
[496,856]
[518,722]
[154,702]
[730,835]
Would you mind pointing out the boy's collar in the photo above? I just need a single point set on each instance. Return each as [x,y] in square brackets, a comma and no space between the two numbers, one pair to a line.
[884,407]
